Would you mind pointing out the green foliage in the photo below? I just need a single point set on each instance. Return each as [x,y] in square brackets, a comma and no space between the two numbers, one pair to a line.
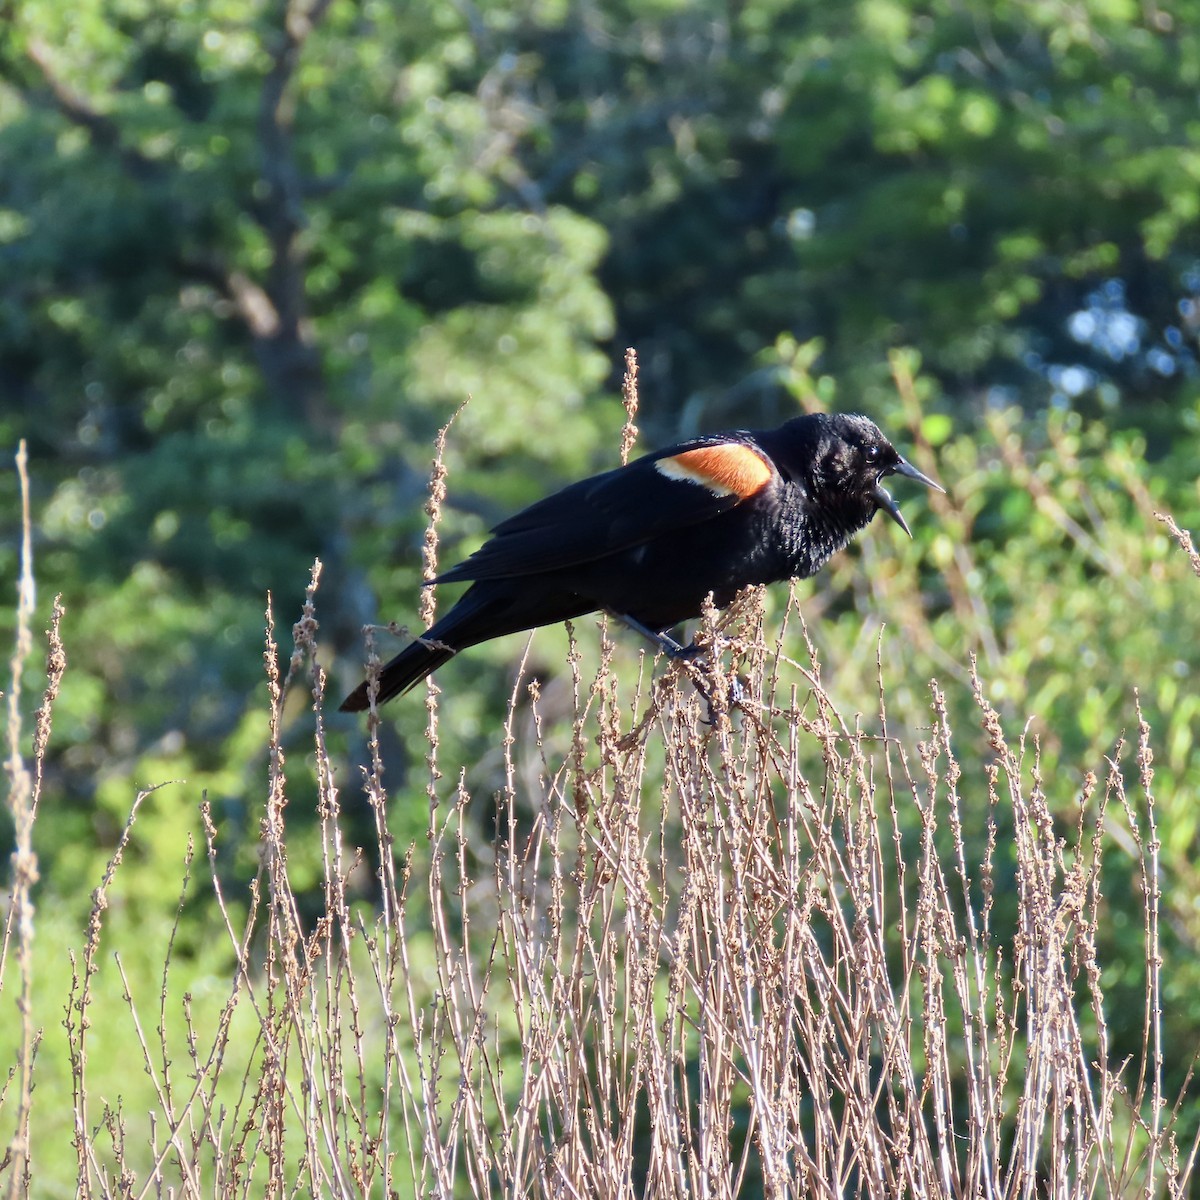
[251,262]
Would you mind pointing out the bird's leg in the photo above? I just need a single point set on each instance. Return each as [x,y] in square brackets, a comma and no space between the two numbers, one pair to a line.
[673,650]
[667,644]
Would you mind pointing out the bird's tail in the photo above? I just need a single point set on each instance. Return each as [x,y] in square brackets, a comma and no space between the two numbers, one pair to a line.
[489,609]
[478,616]
[407,669]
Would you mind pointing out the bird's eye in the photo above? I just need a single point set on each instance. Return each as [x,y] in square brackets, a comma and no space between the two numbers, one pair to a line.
[871,454]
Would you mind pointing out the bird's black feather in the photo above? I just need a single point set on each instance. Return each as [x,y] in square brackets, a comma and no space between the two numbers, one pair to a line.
[649,545]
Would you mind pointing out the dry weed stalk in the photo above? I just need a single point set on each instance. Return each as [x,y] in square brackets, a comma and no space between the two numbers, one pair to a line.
[710,960]
[24,796]
[699,960]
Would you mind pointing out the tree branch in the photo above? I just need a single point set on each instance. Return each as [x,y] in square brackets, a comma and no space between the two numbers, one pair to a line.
[80,110]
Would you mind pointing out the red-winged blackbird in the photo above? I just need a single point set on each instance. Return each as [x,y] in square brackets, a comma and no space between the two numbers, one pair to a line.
[648,541]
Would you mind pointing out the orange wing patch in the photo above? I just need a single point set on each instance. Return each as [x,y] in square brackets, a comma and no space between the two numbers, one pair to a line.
[730,469]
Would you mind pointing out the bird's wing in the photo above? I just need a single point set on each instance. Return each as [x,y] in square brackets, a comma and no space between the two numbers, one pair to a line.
[652,496]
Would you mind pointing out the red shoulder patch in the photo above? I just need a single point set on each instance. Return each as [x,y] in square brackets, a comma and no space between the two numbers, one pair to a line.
[728,469]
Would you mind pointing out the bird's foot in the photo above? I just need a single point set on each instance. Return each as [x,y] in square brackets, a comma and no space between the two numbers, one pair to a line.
[735,695]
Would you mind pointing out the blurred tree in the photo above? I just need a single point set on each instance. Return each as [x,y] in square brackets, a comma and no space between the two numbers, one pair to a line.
[1010,187]
[253,256]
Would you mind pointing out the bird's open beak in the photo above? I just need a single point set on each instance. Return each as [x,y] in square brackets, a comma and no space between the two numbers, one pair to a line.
[884,500]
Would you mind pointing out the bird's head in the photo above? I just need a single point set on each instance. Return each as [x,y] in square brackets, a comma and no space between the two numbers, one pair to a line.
[851,459]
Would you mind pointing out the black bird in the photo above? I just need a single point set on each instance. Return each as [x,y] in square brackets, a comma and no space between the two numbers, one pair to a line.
[648,541]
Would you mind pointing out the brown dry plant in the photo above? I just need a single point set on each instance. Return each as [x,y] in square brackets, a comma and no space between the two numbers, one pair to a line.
[751,957]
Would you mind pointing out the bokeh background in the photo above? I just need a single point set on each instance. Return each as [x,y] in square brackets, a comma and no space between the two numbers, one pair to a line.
[254,255]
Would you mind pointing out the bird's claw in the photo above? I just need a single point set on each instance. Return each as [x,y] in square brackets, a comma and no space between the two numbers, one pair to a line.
[734,696]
